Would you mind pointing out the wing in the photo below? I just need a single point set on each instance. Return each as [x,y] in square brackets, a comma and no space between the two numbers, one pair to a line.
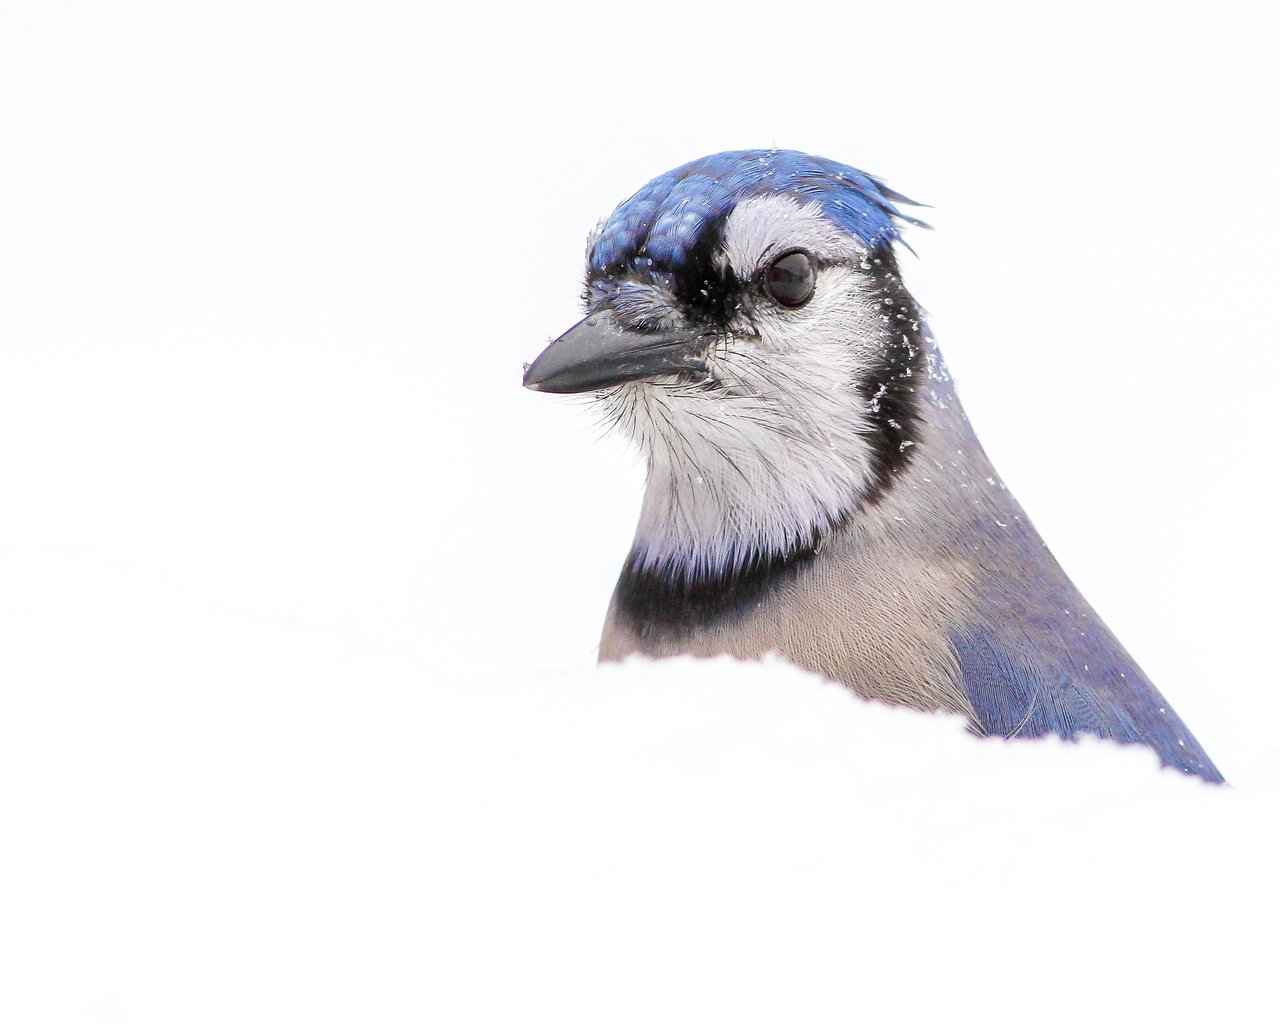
[1023,686]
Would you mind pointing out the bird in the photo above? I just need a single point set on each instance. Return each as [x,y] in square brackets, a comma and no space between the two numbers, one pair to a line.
[814,487]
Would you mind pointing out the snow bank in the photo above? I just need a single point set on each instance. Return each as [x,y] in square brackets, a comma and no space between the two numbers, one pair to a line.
[211,815]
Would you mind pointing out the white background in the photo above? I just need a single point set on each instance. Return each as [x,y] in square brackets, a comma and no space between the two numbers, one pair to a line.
[299,591]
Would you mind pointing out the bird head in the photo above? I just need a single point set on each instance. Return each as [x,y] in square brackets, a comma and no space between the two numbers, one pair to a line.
[746,326]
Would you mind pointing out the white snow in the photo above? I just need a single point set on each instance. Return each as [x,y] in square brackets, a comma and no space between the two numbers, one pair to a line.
[217,815]
[299,591]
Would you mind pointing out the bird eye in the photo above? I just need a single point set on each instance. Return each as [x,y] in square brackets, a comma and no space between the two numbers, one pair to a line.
[789,279]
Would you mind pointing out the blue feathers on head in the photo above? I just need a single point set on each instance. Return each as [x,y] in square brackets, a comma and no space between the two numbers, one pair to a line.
[659,225]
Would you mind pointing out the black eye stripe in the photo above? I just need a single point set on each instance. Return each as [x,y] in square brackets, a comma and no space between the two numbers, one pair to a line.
[789,280]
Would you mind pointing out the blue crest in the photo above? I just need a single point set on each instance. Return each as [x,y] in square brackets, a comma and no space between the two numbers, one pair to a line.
[660,224]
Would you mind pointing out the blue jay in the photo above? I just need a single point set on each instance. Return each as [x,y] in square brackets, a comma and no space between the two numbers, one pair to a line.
[814,486]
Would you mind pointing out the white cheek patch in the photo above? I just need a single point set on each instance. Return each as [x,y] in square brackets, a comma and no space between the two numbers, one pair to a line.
[844,321]
[774,452]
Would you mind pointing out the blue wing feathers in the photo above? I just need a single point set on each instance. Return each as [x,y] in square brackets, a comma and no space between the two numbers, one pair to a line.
[1022,690]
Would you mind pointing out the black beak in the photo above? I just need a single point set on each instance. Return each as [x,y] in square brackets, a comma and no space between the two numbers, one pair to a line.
[597,353]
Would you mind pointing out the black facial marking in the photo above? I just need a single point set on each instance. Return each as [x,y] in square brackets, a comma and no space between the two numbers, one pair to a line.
[654,603]
[891,384]
[704,290]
